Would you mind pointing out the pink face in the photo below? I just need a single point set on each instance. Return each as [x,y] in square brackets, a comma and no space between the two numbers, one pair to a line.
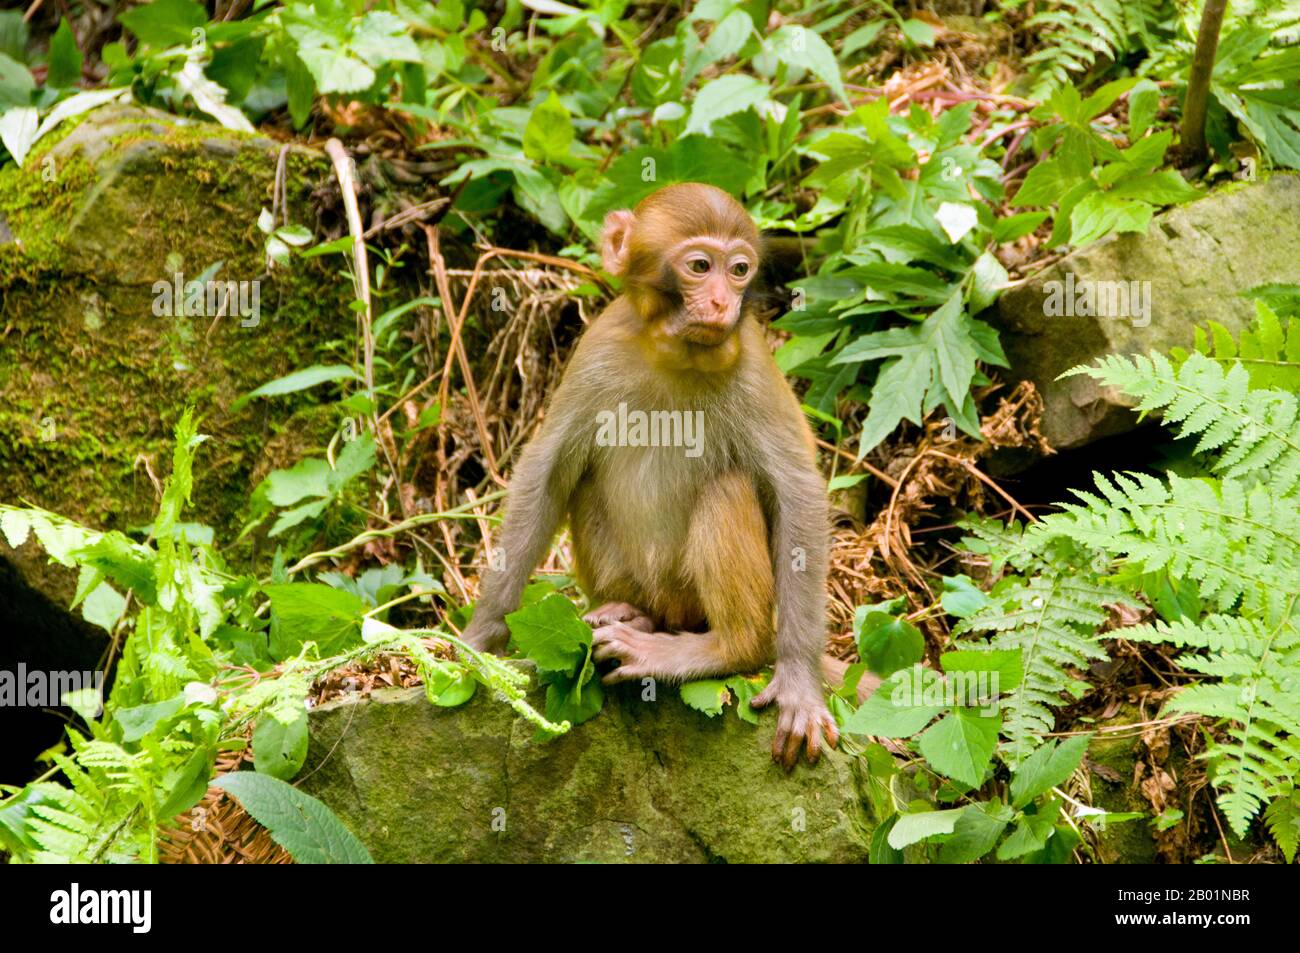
[712,275]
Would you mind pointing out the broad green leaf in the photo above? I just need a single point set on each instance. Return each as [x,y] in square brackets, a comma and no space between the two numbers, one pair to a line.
[313,612]
[724,97]
[279,749]
[912,828]
[551,633]
[165,23]
[1030,833]
[887,643]
[549,132]
[976,832]
[899,708]
[1004,667]
[299,823]
[805,49]
[961,597]
[961,745]
[705,694]
[138,721]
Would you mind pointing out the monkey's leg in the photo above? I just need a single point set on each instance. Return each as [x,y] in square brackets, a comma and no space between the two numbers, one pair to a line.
[624,612]
[727,562]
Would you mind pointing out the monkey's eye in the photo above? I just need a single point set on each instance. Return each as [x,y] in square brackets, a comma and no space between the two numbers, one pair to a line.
[740,269]
[698,265]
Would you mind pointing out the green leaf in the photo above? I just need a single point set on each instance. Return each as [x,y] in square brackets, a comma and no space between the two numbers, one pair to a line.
[1098,214]
[912,828]
[724,97]
[961,597]
[164,23]
[976,832]
[65,58]
[706,695]
[1046,183]
[961,745]
[1030,834]
[299,823]
[805,49]
[902,705]
[299,380]
[16,83]
[551,633]
[918,32]
[1143,101]
[103,606]
[886,643]
[549,132]
[1047,767]
[138,721]
[279,749]
[1005,668]
[573,698]
[313,612]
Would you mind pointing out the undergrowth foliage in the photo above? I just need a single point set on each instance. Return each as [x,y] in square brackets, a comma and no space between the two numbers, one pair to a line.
[1235,533]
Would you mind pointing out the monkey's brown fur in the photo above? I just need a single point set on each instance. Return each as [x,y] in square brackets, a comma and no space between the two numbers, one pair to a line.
[699,566]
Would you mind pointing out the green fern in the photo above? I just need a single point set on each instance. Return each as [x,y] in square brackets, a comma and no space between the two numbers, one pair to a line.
[1257,667]
[1079,35]
[1283,820]
[1253,433]
[1052,615]
[1269,352]
[1239,544]
[1236,533]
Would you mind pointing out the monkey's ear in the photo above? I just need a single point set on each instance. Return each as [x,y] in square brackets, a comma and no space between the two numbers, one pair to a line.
[615,241]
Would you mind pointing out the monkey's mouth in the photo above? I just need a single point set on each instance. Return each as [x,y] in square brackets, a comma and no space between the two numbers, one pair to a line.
[708,332]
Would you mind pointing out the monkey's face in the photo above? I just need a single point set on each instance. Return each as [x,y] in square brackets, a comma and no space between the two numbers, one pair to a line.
[712,275]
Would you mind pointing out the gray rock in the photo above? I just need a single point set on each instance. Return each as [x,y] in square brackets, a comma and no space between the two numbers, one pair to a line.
[640,782]
[1193,264]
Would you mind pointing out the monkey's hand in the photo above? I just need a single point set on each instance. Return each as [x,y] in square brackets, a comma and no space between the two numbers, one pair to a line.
[802,717]
[486,632]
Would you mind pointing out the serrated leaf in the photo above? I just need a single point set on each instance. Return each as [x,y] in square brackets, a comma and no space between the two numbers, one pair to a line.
[551,633]
[724,97]
[1047,767]
[302,825]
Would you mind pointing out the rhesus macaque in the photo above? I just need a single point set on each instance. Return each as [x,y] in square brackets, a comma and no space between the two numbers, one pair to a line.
[706,560]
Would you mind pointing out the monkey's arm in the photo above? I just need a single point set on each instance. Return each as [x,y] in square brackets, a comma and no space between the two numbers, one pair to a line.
[540,489]
[800,527]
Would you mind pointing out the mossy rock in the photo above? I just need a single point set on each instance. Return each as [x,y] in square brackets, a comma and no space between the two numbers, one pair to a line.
[643,781]
[92,380]
[1197,259]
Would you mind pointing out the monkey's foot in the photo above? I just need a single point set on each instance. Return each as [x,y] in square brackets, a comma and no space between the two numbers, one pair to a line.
[612,612]
[639,654]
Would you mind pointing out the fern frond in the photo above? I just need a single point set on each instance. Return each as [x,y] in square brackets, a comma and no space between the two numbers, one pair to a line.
[1238,544]
[1257,667]
[1283,820]
[1269,352]
[1253,432]
[1052,618]
[1081,34]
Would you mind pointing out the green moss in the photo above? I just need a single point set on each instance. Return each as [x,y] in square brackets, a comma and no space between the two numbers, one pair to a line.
[84,348]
